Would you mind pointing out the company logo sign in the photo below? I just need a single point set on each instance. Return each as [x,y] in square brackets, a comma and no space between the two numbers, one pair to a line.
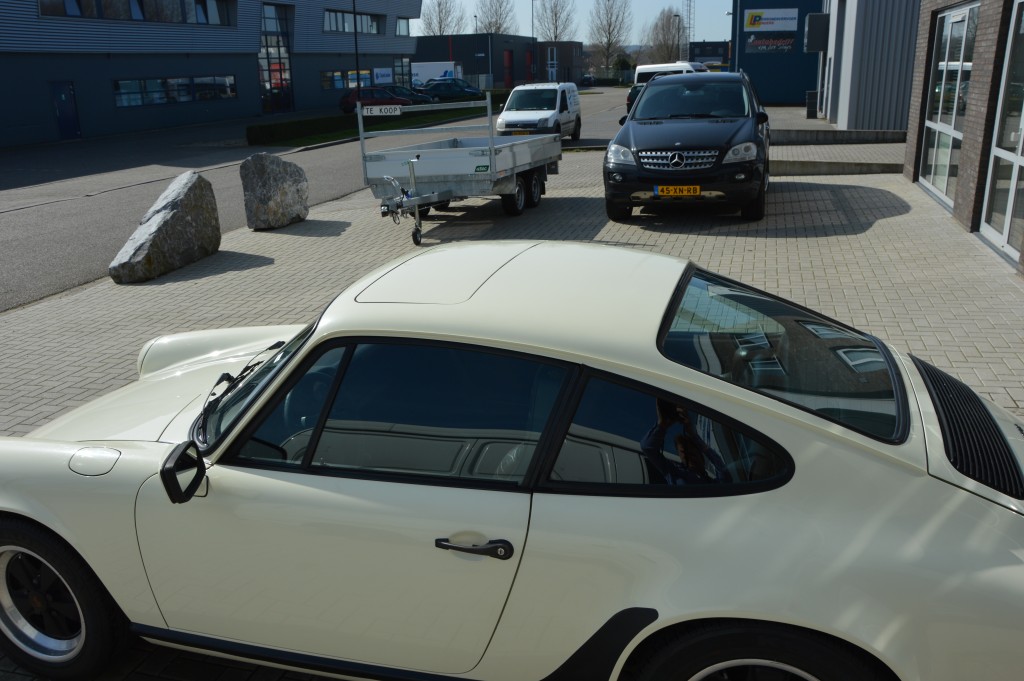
[771,19]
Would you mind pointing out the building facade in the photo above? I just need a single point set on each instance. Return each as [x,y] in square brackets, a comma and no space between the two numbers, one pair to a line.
[498,60]
[85,68]
[964,135]
[866,69]
[768,44]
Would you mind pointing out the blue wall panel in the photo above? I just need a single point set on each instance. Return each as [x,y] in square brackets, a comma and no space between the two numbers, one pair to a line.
[782,76]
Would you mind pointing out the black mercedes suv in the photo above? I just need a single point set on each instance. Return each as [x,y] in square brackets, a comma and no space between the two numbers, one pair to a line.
[690,137]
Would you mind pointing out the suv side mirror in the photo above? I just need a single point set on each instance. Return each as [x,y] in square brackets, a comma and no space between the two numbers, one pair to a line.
[622,121]
[183,461]
[762,117]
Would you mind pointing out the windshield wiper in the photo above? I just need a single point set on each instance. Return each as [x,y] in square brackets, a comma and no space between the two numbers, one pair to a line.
[211,402]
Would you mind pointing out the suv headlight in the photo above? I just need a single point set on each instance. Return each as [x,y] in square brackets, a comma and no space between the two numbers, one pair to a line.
[500,125]
[619,154]
[741,152]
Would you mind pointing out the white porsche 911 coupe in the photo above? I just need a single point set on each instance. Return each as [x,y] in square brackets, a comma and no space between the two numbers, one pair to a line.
[515,461]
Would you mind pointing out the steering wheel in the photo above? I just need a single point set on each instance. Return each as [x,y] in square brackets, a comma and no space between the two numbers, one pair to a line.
[304,402]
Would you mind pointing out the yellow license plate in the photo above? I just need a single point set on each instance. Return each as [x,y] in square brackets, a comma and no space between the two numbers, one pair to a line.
[677,190]
[521,132]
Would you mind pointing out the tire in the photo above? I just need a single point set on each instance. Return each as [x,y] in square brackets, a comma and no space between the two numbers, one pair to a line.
[617,211]
[424,211]
[534,190]
[56,619]
[755,210]
[442,205]
[558,130]
[576,131]
[515,203]
[719,652]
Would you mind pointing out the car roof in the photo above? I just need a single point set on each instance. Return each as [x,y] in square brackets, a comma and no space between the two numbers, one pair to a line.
[543,86]
[598,301]
[708,77]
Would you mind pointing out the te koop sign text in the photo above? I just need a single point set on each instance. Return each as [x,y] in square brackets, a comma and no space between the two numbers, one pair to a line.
[383,110]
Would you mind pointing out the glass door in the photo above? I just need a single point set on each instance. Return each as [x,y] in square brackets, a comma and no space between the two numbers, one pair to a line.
[948,100]
[1003,215]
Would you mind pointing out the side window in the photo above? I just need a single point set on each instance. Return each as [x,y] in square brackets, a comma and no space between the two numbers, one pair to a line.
[627,436]
[286,432]
[438,411]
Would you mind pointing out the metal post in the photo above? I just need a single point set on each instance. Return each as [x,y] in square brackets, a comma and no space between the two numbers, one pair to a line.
[355,36]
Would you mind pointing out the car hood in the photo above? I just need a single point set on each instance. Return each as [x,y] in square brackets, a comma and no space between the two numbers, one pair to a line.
[177,373]
[685,133]
[526,116]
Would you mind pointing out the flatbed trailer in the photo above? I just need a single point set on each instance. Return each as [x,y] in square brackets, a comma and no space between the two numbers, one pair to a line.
[411,180]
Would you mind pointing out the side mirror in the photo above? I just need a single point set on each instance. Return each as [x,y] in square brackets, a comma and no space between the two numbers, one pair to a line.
[184,462]
[762,117]
[622,121]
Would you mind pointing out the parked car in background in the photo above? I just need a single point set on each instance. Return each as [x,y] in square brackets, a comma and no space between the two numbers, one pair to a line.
[516,461]
[402,91]
[457,81]
[369,96]
[448,90]
[690,137]
[587,80]
[542,108]
[634,91]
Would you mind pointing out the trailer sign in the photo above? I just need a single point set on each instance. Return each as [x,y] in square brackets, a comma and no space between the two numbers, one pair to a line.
[383,110]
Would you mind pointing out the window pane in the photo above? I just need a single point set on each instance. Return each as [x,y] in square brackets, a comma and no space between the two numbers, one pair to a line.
[998,193]
[438,411]
[52,8]
[951,67]
[1013,90]
[116,9]
[179,89]
[761,343]
[285,433]
[938,67]
[402,27]
[627,436]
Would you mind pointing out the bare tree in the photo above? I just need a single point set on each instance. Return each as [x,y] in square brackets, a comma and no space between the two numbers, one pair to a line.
[496,16]
[610,24]
[556,20]
[442,17]
[665,36]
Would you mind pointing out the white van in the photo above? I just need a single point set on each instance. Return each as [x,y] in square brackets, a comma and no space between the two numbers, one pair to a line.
[645,72]
[541,108]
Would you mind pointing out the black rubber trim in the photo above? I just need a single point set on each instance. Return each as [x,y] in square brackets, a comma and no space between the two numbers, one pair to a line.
[303,661]
[596,658]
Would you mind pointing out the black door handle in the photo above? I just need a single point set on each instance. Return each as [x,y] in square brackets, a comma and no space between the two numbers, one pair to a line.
[495,548]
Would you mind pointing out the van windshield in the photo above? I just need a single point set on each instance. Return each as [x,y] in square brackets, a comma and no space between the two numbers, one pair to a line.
[532,100]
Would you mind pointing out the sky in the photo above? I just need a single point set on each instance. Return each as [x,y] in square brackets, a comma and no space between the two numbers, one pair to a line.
[710,19]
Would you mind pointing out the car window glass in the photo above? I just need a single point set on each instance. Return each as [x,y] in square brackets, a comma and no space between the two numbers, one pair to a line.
[285,433]
[777,348]
[624,435]
[438,411]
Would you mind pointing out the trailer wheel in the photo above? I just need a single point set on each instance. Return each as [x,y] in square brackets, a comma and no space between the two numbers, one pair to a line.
[417,236]
[515,203]
[534,189]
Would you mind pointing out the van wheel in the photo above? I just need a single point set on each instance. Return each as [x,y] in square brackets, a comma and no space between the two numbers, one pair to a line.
[534,190]
[576,131]
[515,202]
[558,130]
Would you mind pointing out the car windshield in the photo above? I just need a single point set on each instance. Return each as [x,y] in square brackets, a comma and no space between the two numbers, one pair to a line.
[692,99]
[787,352]
[531,100]
[228,408]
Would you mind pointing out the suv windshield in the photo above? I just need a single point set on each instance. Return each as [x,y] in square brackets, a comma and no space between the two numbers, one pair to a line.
[777,348]
[692,99]
[532,100]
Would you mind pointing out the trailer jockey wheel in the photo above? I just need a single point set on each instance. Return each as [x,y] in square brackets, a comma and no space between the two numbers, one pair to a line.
[417,236]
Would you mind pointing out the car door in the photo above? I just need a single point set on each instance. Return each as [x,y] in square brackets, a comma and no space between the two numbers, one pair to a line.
[342,522]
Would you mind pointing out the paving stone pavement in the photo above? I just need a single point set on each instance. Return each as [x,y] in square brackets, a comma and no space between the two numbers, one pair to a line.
[874,251]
